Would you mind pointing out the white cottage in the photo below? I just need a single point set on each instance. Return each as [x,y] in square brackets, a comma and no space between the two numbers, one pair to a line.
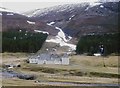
[47,58]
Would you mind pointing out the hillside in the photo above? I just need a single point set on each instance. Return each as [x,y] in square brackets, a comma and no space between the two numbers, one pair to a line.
[82,18]
[65,24]
[12,21]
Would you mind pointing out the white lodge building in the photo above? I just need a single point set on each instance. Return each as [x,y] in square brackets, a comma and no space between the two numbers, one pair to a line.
[47,58]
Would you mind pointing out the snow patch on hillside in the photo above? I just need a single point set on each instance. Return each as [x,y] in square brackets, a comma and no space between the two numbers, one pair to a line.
[101,6]
[44,32]
[71,17]
[4,10]
[62,43]
[60,38]
[35,12]
[69,38]
[51,23]
[61,34]
[10,14]
[30,22]
[92,4]
[87,8]
[60,8]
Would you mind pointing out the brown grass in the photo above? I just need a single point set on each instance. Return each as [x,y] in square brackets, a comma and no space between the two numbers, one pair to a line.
[82,69]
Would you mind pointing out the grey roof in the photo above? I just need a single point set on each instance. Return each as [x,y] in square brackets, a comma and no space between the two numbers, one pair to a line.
[44,57]
[56,57]
[49,57]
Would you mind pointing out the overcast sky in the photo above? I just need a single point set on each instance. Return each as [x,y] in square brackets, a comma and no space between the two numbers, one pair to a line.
[27,5]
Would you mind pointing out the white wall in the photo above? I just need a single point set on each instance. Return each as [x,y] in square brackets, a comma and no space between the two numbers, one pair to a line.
[49,62]
[65,61]
[40,62]
[57,62]
[34,61]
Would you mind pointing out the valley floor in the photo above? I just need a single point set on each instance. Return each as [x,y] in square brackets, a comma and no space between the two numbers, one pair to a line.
[82,70]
